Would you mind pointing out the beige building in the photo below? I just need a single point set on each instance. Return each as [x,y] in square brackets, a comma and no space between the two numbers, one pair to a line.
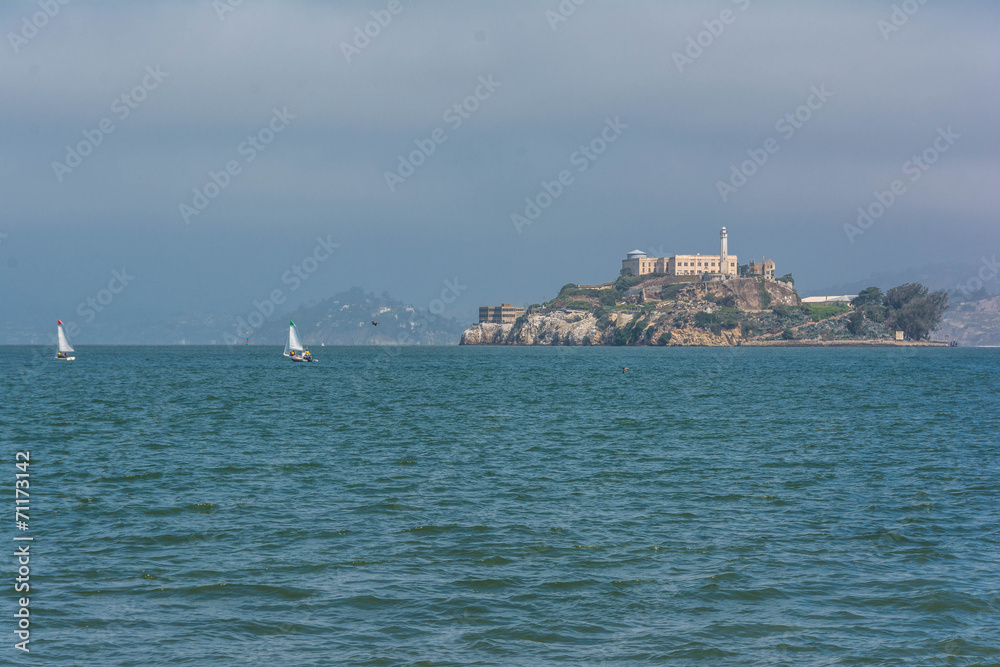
[503,314]
[636,263]
[763,268]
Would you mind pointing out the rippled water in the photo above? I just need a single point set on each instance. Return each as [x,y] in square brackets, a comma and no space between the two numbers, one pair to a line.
[480,506]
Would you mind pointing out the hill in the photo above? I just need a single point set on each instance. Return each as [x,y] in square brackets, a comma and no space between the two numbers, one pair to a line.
[346,319]
[973,323]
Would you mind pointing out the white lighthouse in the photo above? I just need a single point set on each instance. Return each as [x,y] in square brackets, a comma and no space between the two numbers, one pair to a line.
[724,254]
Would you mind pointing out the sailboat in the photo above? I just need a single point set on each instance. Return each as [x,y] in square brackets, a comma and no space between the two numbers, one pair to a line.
[65,349]
[293,347]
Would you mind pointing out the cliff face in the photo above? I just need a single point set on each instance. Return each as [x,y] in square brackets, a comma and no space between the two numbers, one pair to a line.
[692,314]
[555,328]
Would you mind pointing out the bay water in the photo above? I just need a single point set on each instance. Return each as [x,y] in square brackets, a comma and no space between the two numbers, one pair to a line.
[453,506]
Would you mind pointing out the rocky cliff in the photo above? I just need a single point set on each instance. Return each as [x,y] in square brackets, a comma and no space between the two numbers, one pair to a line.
[657,311]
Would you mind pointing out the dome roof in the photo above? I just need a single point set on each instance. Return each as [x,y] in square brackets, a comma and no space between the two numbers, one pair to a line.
[635,254]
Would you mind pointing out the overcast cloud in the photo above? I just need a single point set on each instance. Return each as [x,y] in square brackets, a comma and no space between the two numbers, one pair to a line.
[210,82]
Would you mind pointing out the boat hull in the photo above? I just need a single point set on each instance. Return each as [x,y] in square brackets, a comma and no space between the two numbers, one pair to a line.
[65,358]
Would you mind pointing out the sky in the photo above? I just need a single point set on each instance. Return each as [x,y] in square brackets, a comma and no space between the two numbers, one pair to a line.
[162,158]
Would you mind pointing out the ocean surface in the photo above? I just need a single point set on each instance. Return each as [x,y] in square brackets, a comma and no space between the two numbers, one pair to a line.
[455,506]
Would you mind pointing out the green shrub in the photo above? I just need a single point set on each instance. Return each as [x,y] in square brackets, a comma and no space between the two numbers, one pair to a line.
[765,296]
[637,329]
[664,338]
[578,305]
[782,311]
[787,278]
[822,311]
[728,301]
[625,283]
[725,318]
[607,297]
[710,297]
[788,334]
[855,321]
[703,320]
[669,292]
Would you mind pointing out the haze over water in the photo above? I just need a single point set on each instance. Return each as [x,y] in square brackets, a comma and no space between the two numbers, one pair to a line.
[522,506]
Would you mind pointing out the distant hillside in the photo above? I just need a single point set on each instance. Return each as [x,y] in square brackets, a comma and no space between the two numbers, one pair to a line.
[972,323]
[346,319]
[940,276]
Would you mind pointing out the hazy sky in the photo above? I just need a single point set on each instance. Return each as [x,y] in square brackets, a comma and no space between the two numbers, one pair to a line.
[309,114]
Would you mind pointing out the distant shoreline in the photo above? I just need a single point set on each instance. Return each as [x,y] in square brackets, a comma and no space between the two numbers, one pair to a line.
[842,343]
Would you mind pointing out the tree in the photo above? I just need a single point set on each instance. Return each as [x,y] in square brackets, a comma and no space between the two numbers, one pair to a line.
[915,310]
[787,278]
[898,297]
[855,321]
[624,283]
[869,296]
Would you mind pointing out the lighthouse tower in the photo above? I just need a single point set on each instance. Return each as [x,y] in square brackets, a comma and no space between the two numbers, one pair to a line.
[724,255]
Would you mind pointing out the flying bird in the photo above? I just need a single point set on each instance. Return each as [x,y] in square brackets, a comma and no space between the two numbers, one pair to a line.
[624,368]
[374,323]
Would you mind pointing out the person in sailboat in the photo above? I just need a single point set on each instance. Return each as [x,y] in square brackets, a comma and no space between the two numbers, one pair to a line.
[307,355]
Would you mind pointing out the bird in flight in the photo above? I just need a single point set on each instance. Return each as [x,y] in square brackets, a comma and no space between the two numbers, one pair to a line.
[624,368]
[374,323]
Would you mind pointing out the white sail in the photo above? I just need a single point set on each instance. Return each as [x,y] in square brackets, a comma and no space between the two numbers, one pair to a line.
[64,345]
[293,344]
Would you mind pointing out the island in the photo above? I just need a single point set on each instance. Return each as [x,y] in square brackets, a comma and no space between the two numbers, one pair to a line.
[712,300]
